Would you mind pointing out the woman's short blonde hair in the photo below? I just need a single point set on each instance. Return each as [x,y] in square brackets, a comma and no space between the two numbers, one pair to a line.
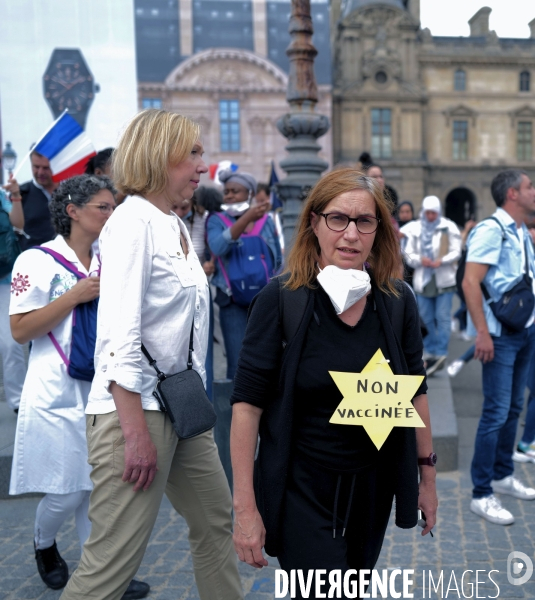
[384,258]
[153,140]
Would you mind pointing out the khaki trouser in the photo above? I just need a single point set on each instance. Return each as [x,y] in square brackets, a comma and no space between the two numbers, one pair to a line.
[191,475]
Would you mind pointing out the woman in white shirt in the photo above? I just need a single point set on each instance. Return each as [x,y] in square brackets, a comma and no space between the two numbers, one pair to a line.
[50,454]
[152,289]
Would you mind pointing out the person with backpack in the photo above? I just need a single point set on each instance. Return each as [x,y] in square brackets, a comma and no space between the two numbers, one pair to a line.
[499,291]
[50,285]
[318,495]
[13,360]
[244,240]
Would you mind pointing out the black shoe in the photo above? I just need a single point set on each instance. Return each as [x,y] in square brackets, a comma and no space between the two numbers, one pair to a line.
[52,568]
[435,364]
[135,590]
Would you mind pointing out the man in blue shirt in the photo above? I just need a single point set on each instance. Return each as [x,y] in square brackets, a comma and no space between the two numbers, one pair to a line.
[498,260]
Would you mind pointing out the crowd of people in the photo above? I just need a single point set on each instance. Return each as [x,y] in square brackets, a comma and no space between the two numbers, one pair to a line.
[136,252]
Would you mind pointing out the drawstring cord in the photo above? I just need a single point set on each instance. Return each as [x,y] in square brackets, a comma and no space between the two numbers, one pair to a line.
[350,501]
[348,511]
[337,493]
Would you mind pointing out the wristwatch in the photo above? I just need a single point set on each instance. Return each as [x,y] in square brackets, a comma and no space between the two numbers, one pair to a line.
[430,460]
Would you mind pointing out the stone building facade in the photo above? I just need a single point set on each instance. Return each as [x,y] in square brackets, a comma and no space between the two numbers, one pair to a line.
[223,63]
[442,115]
[237,97]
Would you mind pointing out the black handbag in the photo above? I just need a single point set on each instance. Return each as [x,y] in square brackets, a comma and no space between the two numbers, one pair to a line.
[515,307]
[183,397]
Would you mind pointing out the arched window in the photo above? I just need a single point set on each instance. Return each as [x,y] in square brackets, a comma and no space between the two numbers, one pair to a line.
[525,78]
[459,81]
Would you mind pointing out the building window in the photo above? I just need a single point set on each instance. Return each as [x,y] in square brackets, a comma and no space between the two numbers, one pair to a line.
[459,80]
[151,103]
[229,125]
[525,78]
[524,140]
[460,140]
[381,132]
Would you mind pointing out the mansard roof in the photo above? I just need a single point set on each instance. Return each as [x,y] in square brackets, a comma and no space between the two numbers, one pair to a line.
[350,5]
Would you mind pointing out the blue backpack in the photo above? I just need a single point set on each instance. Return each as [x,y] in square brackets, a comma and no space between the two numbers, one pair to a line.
[250,265]
[80,363]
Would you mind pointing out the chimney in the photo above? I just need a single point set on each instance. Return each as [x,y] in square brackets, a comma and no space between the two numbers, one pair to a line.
[479,23]
[414,9]
[532,28]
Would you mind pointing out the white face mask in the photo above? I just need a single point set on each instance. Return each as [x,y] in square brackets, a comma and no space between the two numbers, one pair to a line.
[235,210]
[345,287]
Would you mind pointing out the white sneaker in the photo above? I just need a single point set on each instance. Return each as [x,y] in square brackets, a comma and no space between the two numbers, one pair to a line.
[491,509]
[455,367]
[513,487]
[523,457]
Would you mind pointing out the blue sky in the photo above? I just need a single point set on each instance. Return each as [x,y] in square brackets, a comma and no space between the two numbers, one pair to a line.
[509,18]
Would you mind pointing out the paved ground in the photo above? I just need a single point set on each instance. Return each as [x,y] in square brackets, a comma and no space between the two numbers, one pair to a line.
[462,542]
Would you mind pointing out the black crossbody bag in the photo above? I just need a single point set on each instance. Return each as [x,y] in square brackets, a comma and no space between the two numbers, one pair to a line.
[183,397]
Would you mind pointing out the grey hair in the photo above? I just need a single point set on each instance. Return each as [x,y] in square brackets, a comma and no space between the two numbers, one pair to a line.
[510,178]
[78,191]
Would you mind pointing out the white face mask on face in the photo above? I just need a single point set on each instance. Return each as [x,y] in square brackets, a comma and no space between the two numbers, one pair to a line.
[235,210]
[344,287]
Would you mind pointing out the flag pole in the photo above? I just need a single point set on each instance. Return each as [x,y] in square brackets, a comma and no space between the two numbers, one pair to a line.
[16,171]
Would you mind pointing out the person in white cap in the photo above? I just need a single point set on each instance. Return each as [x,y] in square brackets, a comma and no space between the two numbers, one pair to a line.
[433,248]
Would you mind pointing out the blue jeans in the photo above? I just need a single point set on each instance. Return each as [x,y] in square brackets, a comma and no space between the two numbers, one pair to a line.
[436,315]
[504,383]
[233,320]
[529,429]
[461,314]
[468,355]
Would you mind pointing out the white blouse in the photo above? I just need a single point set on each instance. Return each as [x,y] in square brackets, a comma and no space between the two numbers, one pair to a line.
[151,293]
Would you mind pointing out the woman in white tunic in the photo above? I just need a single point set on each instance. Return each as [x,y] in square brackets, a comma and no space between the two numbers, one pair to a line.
[50,445]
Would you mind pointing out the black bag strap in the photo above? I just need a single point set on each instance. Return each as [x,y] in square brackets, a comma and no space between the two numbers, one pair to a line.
[397,313]
[504,237]
[292,304]
[152,362]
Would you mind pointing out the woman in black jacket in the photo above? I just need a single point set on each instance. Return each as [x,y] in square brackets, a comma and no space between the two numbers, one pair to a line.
[322,492]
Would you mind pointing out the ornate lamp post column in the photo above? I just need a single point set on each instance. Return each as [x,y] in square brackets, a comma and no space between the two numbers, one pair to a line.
[302,125]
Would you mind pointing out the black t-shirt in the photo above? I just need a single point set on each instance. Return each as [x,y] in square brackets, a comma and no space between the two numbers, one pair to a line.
[332,345]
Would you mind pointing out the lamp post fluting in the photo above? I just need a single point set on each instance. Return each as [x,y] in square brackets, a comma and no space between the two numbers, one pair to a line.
[302,126]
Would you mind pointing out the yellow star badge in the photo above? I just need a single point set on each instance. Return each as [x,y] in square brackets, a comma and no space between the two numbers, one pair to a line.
[377,399]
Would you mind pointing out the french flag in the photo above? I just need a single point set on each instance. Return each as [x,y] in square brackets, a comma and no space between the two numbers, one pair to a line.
[67,147]
[216,168]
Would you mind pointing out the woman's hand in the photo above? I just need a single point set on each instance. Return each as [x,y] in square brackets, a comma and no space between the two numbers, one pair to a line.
[139,460]
[249,537]
[257,211]
[426,262]
[86,290]
[427,500]
[140,453]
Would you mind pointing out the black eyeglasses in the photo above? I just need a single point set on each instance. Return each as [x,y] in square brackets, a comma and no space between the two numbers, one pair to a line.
[339,222]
